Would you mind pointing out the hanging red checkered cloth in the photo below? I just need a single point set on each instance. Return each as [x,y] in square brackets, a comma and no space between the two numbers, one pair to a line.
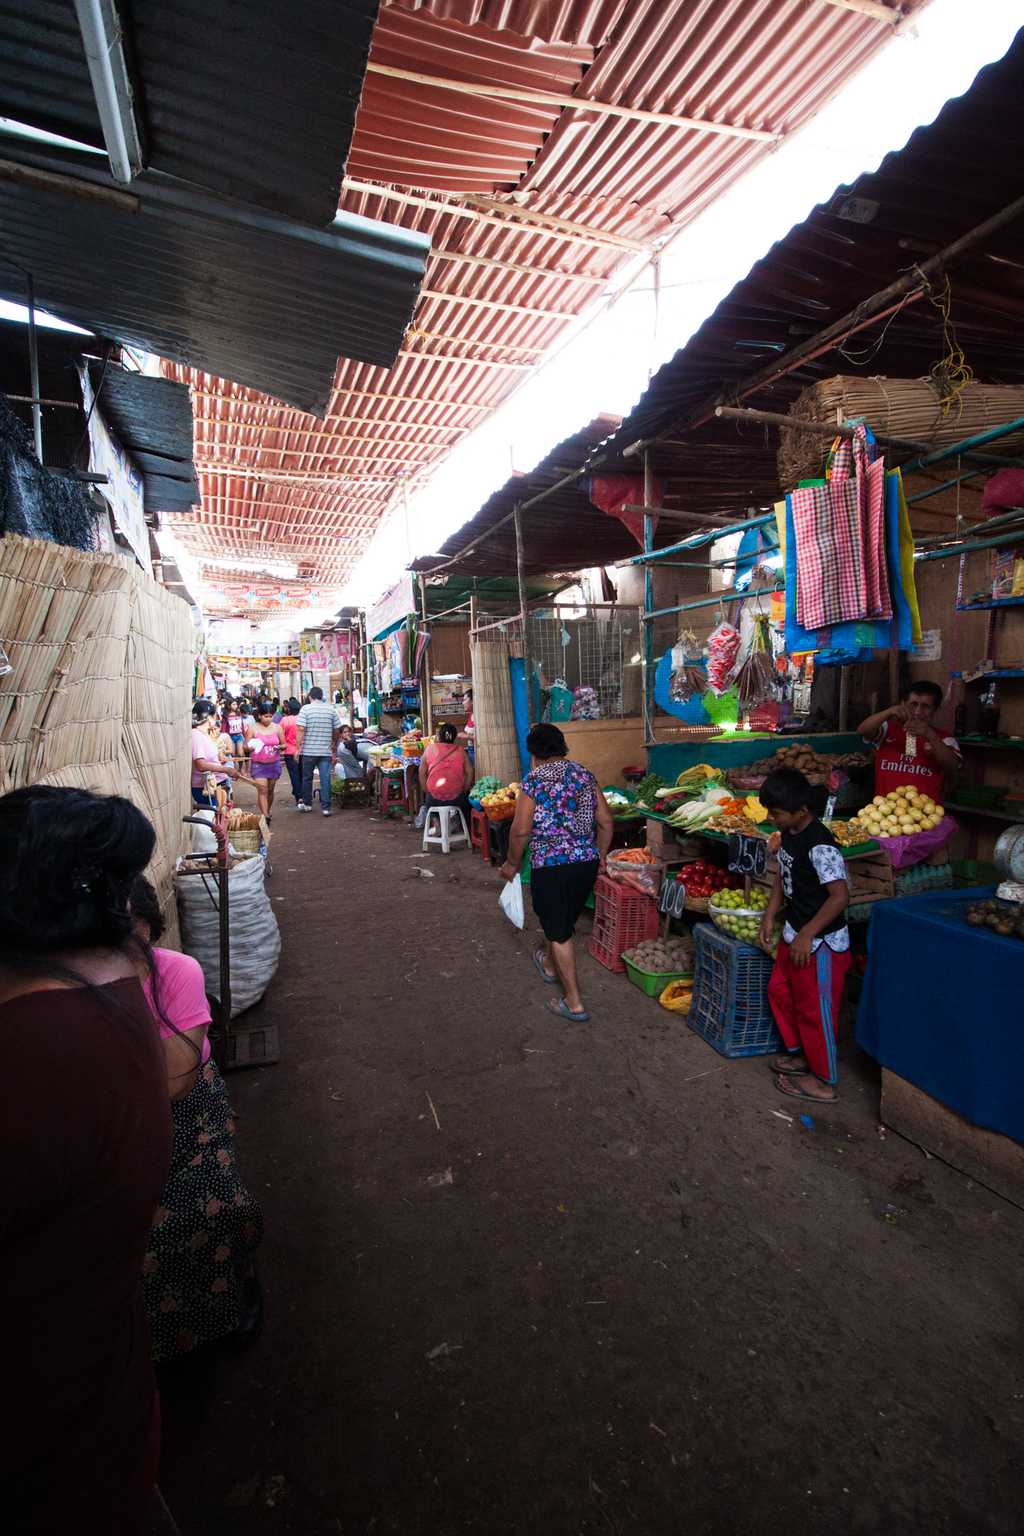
[839,531]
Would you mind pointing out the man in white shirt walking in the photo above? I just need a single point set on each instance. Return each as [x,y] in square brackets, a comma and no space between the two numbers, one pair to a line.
[319,725]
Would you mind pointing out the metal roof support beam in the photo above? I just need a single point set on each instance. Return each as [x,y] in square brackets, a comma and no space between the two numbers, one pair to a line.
[517,268]
[873,8]
[508,309]
[269,404]
[101,31]
[329,438]
[572,103]
[523,220]
[471,362]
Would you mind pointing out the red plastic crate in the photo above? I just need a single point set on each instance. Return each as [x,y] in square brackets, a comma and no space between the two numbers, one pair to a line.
[623,918]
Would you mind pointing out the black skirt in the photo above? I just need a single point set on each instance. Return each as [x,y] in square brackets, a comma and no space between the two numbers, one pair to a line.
[559,893]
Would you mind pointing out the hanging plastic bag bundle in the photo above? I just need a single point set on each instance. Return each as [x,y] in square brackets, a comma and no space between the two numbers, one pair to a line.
[688,676]
[755,678]
[723,645]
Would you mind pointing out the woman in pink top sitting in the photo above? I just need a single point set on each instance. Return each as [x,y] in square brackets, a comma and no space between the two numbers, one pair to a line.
[199,1280]
[446,772]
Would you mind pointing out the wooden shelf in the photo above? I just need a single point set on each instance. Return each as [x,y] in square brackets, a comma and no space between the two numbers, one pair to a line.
[990,602]
[983,810]
[995,673]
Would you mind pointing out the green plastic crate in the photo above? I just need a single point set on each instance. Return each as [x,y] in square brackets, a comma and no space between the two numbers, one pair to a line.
[653,983]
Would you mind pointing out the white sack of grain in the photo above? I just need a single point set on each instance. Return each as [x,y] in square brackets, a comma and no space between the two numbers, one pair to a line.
[255,939]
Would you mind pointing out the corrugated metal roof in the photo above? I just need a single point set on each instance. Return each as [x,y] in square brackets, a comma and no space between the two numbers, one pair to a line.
[556,533]
[587,22]
[243,294]
[152,419]
[737,61]
[458,143]
[254,101]
[950,177]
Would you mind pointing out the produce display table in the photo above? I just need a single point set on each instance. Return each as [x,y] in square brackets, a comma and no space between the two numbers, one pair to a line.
[940,1007]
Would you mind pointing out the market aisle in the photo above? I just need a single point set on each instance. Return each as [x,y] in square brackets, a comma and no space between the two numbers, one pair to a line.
[612,1293]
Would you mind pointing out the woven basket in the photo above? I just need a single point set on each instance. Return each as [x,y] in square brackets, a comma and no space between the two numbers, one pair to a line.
[245,842]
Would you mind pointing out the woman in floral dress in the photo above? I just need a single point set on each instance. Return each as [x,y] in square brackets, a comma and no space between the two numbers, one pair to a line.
[199,1278]
[563,815]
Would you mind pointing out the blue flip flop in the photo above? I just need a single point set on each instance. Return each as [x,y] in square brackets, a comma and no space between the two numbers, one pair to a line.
[538,960]
[560,1007]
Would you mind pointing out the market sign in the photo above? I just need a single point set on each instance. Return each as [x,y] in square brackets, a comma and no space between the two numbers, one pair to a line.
[123,490]
[327,653]
[393,607]
[255,663]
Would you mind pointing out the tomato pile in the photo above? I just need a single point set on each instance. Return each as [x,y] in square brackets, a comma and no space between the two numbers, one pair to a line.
[703,879]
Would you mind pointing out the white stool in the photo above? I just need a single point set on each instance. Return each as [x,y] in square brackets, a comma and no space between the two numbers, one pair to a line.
[449,819]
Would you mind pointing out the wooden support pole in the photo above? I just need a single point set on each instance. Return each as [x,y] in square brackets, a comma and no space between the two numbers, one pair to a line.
[508,309]
[464,258]
[428,703]
[647,622]
[517,518]
[523,220]
[575,103]
[873,8]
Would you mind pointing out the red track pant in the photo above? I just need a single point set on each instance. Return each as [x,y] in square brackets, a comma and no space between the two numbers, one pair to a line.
[805,1001]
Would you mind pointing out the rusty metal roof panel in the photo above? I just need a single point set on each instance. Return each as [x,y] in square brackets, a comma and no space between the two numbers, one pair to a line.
[244,294]
[255,102]
[586,22]
[152,419]
[476,333]
[432,137]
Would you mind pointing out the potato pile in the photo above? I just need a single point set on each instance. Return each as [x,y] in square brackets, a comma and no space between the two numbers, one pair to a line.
[900,813]
[661,956]
[804,758]
[1003,917]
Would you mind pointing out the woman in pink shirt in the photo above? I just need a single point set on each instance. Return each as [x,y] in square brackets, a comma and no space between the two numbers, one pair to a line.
[290,731]
[446,772]
[199,1279]
[265,741]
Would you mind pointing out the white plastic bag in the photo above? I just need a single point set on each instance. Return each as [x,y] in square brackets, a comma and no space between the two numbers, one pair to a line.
[511,901]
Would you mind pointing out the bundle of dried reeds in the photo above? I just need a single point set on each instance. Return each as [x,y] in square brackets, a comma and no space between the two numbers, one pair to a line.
[907,408]
[99,692]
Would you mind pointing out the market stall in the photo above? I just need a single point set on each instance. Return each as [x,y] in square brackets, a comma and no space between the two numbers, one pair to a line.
[940,1012]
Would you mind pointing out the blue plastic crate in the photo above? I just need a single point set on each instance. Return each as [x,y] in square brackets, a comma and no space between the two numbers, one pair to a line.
[730,995]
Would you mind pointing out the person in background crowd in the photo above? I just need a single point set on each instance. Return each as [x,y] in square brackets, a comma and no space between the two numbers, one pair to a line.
[811,891]
[564,817]
[207,768]
[318,728]
[199,1282]
[85,1141]
[349,760]
[265,743]
[446,772]
[909,750]
[290,729]
[234,728]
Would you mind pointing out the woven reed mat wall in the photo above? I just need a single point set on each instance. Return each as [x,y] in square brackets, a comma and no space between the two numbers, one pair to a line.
[908,408]
[497,751]
[100,689]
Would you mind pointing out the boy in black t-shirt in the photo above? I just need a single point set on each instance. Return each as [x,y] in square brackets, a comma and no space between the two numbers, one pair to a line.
[811,891]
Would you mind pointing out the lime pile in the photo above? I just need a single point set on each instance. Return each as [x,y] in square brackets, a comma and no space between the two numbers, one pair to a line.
[738,914]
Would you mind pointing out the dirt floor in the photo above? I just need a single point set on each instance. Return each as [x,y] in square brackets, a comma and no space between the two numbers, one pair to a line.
[606,1289]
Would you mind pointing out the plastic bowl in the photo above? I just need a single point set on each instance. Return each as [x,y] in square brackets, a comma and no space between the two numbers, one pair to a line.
[741,923]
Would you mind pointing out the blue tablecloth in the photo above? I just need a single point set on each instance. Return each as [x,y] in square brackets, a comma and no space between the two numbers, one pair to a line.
[943,1006]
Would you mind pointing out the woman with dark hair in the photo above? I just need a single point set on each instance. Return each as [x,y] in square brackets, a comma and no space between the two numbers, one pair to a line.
[446,772]
[84,1151]
[563,815]
[200,1283]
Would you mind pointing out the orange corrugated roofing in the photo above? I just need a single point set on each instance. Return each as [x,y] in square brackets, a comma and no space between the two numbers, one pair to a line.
[498,294]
